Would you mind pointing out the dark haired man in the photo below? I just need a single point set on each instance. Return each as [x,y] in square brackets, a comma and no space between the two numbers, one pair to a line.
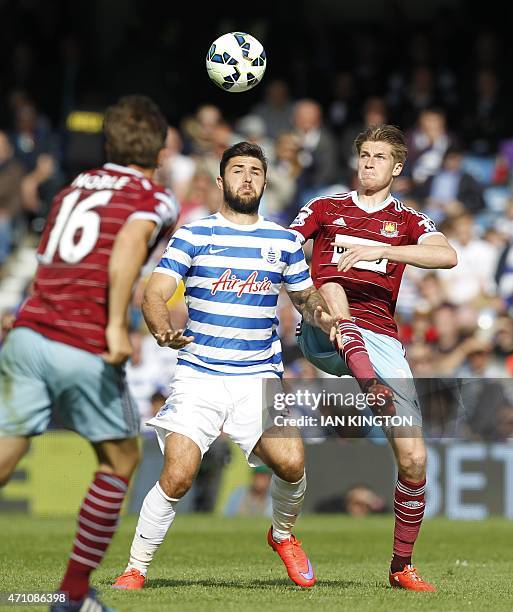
[234,264]
[70,340]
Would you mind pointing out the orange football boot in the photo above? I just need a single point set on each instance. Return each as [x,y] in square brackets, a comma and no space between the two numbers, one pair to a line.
[298,565]
[409,579]
[130,580]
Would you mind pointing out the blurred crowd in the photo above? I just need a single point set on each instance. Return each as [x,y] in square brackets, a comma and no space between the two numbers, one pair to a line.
[453,323]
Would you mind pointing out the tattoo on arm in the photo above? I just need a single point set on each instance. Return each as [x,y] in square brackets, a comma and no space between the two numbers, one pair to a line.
[306,302]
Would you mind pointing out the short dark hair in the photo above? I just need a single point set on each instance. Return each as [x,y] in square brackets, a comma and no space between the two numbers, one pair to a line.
[242,149]
[384,133]
[135,131]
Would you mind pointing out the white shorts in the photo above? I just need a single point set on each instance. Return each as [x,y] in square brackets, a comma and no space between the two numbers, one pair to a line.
[202,408]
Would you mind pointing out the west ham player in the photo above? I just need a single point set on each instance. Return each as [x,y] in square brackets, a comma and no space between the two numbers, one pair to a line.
[233,264]
[362,242]
[70,340]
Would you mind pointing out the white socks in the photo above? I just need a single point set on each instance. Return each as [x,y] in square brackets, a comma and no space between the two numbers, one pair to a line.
[287,499]
[157,514]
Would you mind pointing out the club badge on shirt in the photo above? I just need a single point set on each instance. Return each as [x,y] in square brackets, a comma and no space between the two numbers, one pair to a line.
[389,229]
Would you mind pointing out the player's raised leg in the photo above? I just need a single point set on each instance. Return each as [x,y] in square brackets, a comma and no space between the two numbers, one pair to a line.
[284,454]
[182,458]
[99,513]
[409,505]
[351,345]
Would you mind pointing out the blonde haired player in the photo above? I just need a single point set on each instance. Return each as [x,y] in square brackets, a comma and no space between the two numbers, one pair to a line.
[362,242]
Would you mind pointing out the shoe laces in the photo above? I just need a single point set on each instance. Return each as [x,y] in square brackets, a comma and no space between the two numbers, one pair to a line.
[412,572]
[297,551]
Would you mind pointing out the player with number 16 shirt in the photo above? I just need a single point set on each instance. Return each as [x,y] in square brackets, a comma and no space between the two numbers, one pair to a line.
[69,302]
[71,339]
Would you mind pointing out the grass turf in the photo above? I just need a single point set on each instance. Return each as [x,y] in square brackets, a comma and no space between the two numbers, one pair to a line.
[211,563]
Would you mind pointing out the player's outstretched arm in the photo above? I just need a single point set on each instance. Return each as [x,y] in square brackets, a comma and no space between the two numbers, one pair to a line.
[433,252]
[128,255]
[158,292]
[313,308]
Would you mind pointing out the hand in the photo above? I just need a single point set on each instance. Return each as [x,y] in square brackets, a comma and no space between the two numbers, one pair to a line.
[357,252]
[45,166]
[173,338]
[325,322]
[119,347]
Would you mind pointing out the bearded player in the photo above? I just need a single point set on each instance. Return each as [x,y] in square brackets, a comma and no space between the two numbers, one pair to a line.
[234,264]
[362,242]
[70,339]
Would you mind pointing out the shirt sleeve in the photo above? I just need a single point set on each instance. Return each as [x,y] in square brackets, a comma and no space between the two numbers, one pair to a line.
[419,227]
[296,275]
[162,208]
[307,224]
[177,258]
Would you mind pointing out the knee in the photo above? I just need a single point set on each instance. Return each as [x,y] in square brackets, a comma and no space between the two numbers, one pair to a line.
[291,468]
[175,484]
[412,465]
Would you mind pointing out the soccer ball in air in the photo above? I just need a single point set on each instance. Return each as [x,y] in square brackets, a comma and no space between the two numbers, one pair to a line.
[236,61]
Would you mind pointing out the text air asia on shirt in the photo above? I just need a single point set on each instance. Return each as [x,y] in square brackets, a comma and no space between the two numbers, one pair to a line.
[371,286]
[70,292]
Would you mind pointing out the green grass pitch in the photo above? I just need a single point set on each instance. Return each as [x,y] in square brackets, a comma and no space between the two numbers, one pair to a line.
[210,563]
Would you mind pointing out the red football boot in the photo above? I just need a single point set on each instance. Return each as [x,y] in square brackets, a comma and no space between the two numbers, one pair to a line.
[298,565]
[409,579]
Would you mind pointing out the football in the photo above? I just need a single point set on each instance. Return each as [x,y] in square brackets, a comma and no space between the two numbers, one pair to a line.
[236,62]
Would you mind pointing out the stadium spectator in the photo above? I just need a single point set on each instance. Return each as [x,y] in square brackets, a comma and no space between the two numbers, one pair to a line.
[38,150]
[343,106]
[176,170]
[252,128]
[222,136]
[150,367]
[357,500]
[419,94]
[11,174]
[448,333]
[253,499]
[486,117]
[504,276]
[202,198]
[198,129]
[427,143]
[275,108]
[374,112]
[281,199]
[318,154]
[422,359]
[473,278]
[451,190]
[472,358]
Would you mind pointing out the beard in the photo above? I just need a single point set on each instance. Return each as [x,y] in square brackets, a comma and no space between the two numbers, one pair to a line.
[246,205]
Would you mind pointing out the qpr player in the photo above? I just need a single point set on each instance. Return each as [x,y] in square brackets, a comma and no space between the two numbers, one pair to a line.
[234,264]
[362,242]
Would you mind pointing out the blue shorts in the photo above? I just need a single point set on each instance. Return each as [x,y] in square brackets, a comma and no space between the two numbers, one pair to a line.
[386,354]
[37,375]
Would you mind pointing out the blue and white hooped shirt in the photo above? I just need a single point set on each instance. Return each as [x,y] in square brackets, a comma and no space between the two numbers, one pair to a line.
[233,275]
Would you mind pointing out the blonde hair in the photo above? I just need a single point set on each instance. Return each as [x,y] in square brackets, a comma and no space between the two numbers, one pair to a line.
[384,133]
